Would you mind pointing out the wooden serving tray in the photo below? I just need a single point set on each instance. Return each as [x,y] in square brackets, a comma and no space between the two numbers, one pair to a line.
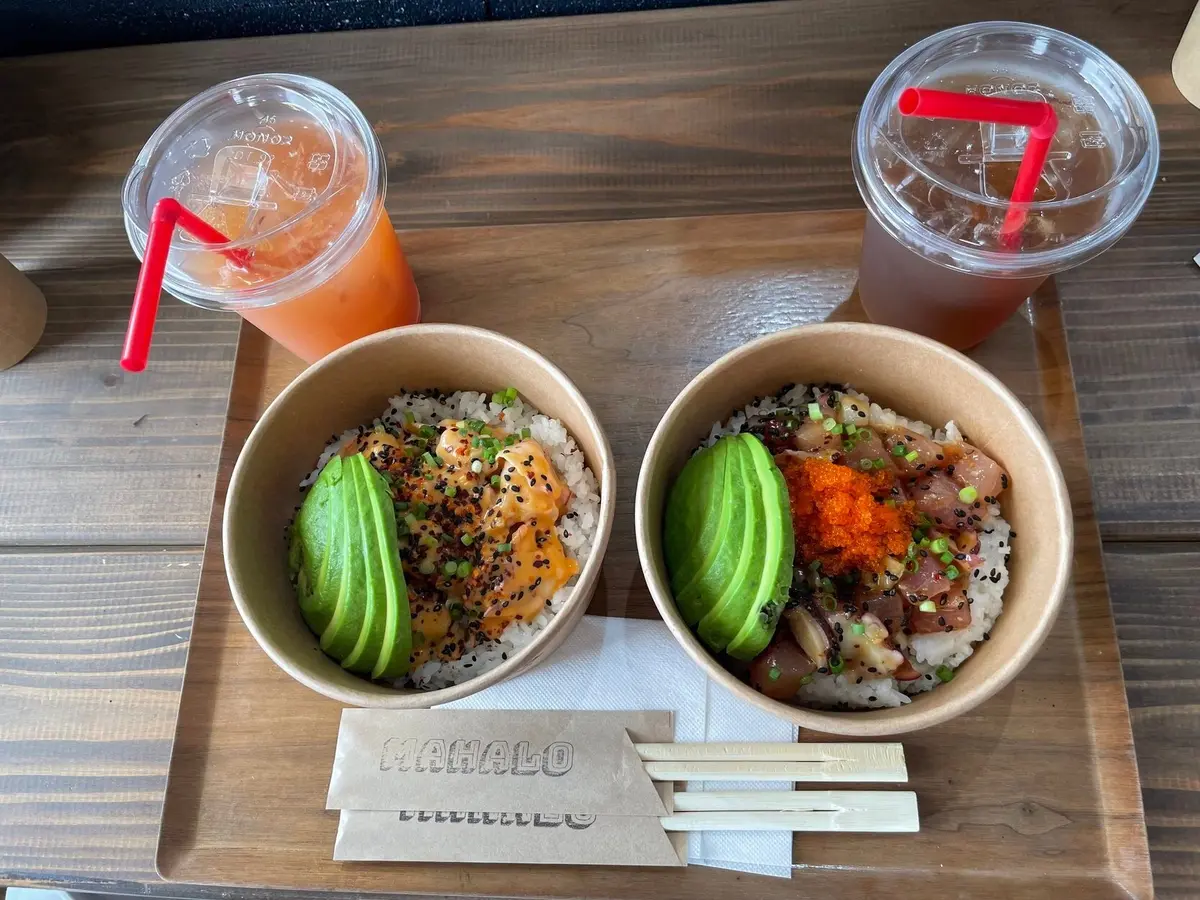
[1035,794]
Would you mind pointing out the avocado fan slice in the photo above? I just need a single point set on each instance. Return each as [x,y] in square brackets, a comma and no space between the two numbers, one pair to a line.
[393,658]
[365,653]
[315,560]
[777,557]
[340,636]
[720,557]
[727,614]
[691,518]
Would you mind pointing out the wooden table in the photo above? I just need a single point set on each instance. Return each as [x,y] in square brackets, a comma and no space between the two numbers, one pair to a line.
[107,479]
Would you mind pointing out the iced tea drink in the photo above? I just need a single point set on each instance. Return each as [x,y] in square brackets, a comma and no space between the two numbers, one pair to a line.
[937,190]
[289,170]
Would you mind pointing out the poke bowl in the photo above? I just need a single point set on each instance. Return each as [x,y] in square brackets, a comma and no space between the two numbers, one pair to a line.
[419,515]
[854,527]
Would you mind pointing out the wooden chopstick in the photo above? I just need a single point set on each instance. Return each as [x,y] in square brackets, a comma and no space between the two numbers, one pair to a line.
[774,762]
[865,811]
[789,801]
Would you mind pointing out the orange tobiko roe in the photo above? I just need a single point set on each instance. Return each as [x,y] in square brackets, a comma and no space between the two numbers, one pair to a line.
[838,518]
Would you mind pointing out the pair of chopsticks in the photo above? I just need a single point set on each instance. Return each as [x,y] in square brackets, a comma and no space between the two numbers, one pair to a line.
[859,811]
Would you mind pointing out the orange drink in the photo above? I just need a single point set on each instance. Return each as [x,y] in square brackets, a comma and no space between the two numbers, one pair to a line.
[289,170]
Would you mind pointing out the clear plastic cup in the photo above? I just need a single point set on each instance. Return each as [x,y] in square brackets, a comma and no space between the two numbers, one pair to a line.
[287,168]
[937,190]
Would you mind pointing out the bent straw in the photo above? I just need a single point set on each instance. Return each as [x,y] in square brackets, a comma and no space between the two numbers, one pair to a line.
[1038,117]
[168,212]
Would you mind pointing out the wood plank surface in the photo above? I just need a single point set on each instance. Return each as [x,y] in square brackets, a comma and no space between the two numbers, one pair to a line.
[1004,812]
[92,647]
[1155,600]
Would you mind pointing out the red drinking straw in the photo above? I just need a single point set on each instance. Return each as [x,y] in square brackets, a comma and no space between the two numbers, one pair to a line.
[1038,117]
[168,212]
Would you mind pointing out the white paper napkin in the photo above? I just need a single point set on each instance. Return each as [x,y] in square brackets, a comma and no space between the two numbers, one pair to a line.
[629,664]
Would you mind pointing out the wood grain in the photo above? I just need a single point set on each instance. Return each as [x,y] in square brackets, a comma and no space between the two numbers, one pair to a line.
[997,794]
[92,647]
[1157,608]
[95,455]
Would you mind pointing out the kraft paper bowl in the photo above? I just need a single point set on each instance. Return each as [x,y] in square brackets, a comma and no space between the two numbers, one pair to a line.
[346,389]
[920,379]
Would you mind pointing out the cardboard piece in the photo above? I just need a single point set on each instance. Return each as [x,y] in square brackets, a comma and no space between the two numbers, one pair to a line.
[1185,66]
[491,760]
[22,314]
[538,838]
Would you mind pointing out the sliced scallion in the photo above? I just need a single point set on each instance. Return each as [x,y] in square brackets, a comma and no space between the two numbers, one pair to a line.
[504,548]
[880,464]
[911,456]
[952,572]
[865,464]
[897,449]
[946,558]
[467,540]
[927,606]
[968,494]
[814,412]
[450,568]
[858,628]
[944,673]
[837,666]
[941,545]
[426,567]
[464,568]
[774,673]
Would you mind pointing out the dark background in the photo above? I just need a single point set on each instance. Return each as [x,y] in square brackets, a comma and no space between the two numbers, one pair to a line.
[42,26]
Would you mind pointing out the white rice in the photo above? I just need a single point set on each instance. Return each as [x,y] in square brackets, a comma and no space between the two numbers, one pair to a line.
[928,651]
[576,528]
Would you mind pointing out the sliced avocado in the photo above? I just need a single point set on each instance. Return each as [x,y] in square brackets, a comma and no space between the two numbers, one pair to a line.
[393,657]
[727,614]
[315,559]
[719,558]
[340,636]
[776,558]
[365,654]
[691,517]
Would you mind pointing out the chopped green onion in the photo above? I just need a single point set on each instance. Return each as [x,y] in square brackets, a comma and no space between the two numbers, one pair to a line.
[467,540]
[814,412]
[498,398]
[851,428]
[464,568]
[504,548]
[814,566]
[911,456]
[476,442]
[968,494]
[837,666]
[410,521]
[451,491]
[946,558]
[952,572]
[774,673]
[409,418]
[449,569]
[923,543]
[927,606]
[865,464]
[837,429]
[456,611]
[897,449]
[828,602]
[427,431]
[430,459]
[858,627]
[807,679]
[510,440]
[944,673]
[420,510]
[924,521]
[849,447]
[827,584]
[476,466]
[880,464]
[918,535]
[941,545]
[447,538]
[428,540]
[496,482]
[429,476]
[426,567]
[510,395]
[829,424]
[525,432]
[912,550]
[401,505]
[912,565]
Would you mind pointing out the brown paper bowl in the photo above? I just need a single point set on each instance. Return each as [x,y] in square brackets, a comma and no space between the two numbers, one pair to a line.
[919,379]
[344,390]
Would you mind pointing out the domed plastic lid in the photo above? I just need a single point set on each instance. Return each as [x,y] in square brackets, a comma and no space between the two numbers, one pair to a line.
[283,165]
[941,187]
